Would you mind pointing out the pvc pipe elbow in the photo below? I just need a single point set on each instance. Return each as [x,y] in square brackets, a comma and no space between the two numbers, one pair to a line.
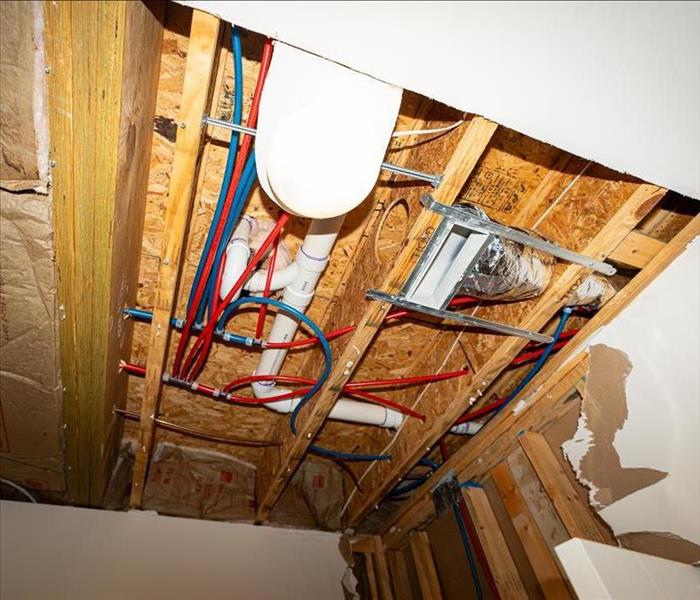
[280,279]
[237,255]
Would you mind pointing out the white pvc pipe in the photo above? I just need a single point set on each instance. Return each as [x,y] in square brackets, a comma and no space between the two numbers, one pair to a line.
[311,260]
[280,279]
[350,411]
[237,255]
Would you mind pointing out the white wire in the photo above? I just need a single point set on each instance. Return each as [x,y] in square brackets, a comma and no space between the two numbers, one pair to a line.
[407,132]
[19,488]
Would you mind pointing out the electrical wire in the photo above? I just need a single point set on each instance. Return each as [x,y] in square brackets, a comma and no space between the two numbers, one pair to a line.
[407,132]
[19,489]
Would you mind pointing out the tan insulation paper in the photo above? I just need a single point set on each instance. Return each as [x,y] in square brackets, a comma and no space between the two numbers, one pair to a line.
[23,130]
[31,449]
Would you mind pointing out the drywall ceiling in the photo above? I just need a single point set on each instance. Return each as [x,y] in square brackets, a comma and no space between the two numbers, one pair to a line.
[615,82]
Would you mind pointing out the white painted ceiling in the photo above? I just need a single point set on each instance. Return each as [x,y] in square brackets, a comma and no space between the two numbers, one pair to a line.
[615,82]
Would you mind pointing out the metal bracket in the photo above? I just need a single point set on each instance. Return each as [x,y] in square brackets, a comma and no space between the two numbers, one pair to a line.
[462,318]
[452,252]
[472,221]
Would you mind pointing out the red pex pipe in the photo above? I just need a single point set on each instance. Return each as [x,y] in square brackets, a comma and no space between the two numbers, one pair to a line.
[207,332]
[238,169]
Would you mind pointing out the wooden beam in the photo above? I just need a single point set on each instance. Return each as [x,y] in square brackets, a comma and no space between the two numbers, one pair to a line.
[102,94]
[636,250]
[371,577]
[202,50]
[501,563]
[414,439]
[543,562]
[381,568]
[425,566]
[399,574]
[576,516]
[559,374]
[472,144]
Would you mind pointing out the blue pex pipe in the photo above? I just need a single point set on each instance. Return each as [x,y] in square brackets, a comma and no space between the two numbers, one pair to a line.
[290,310]
[228,172]
[565,314]
[241,195]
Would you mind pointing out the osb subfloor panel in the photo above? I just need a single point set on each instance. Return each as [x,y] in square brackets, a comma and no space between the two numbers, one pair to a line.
[506,184]
[227,362]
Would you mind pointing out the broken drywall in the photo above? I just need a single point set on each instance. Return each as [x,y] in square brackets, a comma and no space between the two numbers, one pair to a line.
[603,414]
[638,442]
[31,447]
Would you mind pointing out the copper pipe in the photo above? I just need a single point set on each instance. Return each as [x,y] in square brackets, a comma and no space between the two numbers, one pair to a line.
[198,433]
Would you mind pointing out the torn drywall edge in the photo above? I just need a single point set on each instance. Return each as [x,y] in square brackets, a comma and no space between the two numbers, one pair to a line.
[575,449]
[659,332]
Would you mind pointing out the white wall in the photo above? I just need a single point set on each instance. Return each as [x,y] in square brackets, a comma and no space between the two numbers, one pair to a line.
[660,333]
[615,82]
[76,553]
[598,572]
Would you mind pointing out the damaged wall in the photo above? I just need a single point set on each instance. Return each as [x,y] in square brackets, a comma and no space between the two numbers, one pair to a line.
[31,447]
[638,438]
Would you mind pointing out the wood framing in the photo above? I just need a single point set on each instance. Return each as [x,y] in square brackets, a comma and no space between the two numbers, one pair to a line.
[425,566]
[543,394]
[204,35]
[101,103]
[543,562]
[418,438]
[376,565]
[576,516]
[636,250]
[505,573]
[472,144]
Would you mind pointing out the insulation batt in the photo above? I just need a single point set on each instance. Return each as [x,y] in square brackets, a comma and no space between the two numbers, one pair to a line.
[509,271]
[593,290]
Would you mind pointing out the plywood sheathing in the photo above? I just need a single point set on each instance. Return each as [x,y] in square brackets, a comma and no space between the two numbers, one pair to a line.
[226,363]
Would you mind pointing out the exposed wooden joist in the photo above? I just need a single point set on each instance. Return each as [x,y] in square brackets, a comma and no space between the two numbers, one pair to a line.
[103,60]
[543,562]
[202,51]
[544,393]
[472,144]
[425,566]
[419,438]
[381,568]
[576,516]
[505,573]
[636,250]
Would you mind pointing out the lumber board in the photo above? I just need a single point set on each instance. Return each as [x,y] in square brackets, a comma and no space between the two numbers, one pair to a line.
[449,399]
[543,562]
[560,373]
[472,144]
[371,577]
[399,574]
[636,250]
[505,573]
[381,568]
[204,35]
[425,566]
[576,516]
[101,103]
